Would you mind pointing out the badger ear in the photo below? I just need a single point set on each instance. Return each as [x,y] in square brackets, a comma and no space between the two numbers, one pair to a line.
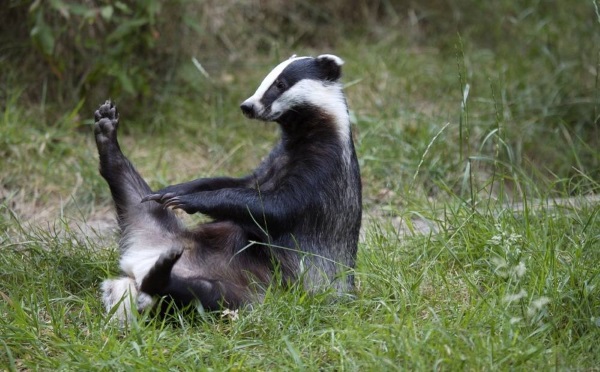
[331,66]
[292,56]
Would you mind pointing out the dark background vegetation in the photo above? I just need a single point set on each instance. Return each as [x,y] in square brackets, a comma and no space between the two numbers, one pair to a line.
[68,56]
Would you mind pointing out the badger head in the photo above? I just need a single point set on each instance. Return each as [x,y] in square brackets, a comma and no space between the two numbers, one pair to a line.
[297,84]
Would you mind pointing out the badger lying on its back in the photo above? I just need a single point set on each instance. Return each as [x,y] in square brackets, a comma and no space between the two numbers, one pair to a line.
[297,214]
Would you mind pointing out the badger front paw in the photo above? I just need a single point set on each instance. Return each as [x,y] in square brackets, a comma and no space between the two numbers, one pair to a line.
[169,192]
[160,196]
[107,121]
[187,203]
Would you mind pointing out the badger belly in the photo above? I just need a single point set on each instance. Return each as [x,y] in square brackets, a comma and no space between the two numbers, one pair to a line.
[141,250]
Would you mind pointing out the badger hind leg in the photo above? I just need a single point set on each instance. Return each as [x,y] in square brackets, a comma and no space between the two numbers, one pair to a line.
[158,277]
[126,185]
[147,229]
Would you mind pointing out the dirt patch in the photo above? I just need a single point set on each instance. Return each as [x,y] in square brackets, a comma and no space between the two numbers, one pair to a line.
[101,222]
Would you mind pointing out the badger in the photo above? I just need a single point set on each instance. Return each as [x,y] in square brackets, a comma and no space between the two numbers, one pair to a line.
[295,218]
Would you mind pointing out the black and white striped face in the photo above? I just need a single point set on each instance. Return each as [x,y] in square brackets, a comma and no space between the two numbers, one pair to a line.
[296,83]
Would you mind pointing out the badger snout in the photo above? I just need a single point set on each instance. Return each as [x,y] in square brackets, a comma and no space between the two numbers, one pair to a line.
[248,109]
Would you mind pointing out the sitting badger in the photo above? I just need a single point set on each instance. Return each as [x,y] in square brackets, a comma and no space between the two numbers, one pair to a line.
[296,217]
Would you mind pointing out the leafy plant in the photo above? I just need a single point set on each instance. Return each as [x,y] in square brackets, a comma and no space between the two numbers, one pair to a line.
[109,46]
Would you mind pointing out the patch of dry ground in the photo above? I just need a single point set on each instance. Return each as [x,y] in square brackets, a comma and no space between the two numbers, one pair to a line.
[101,222]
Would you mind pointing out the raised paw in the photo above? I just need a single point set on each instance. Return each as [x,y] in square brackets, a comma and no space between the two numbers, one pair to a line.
[107,121]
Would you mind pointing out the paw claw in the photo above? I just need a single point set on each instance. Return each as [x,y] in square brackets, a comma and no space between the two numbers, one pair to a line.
[168,200]
[171,202]
[168,196]
[160,198]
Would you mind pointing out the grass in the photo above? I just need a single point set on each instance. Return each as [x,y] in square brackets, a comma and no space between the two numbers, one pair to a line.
[486,286]
[488,291]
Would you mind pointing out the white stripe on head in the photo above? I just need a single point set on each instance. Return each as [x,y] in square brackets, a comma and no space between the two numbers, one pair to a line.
[268,81]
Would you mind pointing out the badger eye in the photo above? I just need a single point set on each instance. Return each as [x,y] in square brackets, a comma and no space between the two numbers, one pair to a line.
[279,84]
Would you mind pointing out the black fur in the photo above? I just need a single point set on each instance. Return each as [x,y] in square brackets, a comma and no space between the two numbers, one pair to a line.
[299,210]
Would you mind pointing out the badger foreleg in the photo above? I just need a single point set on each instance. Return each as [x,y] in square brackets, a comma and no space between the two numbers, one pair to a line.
[245,206]
[201,184]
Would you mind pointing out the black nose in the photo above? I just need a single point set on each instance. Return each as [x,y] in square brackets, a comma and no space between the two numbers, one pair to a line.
[247,109]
